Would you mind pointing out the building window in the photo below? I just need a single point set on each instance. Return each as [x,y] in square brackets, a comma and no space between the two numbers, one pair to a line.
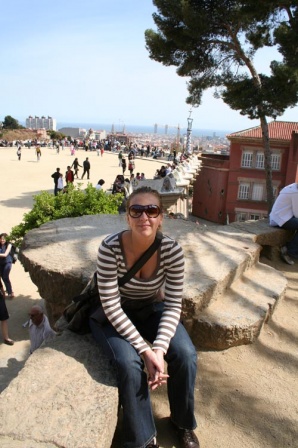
[243,192]
[257,192]
[260,160]
[275,162]
[256,159]
[246,161]
[241,217]
[254,217]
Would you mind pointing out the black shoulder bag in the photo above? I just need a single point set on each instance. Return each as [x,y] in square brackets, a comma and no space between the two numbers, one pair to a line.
[77,313]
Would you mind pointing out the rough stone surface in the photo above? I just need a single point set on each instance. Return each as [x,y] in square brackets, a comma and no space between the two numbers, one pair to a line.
[61,256]
[262,233]
[65,396]
[237,317]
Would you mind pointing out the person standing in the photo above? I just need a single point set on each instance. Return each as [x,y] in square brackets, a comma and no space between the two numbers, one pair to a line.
[75,165]
[56,176]
[86,168]
[131,166]
[60,184]
[4,316]
[284,214]
[69,177]
[120,155]
[39,328]
[142,329]
[124,166]
[19,153]
[38,153]
[5,263]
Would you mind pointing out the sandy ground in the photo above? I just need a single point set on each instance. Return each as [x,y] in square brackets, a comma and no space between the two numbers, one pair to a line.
[245,396]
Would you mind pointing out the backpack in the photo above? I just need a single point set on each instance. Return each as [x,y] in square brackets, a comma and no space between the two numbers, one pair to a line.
[77,312]
[14,253]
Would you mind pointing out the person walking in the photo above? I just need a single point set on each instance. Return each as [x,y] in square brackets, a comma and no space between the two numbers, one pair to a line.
[56,176]
[19,153]
[86,168]
[5,263]
[140,326]
[69,176]
[75,165]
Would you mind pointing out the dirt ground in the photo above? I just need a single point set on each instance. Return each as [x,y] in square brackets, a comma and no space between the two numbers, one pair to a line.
[246,396]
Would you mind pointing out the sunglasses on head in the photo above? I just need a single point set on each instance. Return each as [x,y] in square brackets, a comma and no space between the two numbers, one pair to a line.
[152,211]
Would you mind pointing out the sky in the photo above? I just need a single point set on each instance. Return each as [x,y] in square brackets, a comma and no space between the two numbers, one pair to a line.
[86,62]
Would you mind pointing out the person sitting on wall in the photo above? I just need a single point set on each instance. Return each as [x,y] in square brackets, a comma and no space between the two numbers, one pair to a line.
[284,214]
[39,328]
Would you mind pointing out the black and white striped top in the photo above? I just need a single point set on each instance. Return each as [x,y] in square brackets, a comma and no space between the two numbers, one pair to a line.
[170,273]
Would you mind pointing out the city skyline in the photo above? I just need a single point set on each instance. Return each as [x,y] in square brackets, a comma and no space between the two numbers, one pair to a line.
[89,64]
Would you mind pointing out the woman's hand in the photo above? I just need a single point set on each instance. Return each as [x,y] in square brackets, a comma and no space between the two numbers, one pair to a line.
[154,362]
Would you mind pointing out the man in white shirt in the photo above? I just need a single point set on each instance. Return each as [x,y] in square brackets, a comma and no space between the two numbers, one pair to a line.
[284,214]
[39,328]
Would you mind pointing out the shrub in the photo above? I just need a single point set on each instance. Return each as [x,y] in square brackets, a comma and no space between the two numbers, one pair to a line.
[75,202]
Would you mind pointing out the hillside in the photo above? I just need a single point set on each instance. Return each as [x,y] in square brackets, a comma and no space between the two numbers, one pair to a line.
[19,134]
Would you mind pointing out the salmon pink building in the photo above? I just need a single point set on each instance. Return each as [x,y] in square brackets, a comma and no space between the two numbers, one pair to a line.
[233,188]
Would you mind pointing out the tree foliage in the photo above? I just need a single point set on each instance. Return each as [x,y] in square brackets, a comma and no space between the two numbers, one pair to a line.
[213,43]
[55,135]
[75,202]
[11,123]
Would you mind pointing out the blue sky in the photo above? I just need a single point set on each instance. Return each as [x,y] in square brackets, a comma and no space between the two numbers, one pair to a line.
[85,61]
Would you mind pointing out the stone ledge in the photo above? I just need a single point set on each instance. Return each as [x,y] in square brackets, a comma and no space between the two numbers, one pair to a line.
[262,233]
[65,396]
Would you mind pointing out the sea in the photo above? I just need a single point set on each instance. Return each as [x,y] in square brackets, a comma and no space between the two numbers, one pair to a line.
[140,129]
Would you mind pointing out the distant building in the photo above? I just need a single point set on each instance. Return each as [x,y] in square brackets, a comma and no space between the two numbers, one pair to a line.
[233,188]
[48,123]
[73,132]
[120,137]
[82,133]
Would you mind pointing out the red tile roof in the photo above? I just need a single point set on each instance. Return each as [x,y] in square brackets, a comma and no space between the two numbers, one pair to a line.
[278,130]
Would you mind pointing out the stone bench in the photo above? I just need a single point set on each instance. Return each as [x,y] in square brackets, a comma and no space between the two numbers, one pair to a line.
[270,238]
[65,395]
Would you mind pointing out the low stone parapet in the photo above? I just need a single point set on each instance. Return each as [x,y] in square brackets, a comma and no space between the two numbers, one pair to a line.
[65,396]
[270,238]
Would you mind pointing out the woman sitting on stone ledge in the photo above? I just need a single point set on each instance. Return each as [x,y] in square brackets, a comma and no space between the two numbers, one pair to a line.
[136,313]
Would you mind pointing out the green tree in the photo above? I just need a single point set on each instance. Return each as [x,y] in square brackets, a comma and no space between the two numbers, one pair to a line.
[213,42]
[11,123]
[54,135]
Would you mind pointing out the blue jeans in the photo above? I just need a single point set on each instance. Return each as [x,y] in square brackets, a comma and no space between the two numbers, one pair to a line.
[4,273]
[134,396]
[292,245]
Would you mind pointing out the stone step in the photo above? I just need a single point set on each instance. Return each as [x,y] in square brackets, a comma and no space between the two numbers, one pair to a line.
[237,316]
